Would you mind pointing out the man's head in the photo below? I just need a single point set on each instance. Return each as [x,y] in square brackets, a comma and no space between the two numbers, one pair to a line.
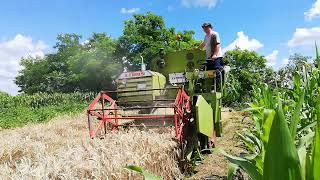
[207,27]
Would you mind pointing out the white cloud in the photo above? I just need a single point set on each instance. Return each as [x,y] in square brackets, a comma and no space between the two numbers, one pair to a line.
[244,43]
[305,37]
[273,56]
[285,61]
[11,52]
[129,11]
[314,11]
[199,3]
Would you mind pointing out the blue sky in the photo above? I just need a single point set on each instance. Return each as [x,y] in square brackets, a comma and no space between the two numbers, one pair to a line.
[273,28]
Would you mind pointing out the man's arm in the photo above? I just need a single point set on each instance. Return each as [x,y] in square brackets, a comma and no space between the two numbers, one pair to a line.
[215,40]
[202,45]
[216,51]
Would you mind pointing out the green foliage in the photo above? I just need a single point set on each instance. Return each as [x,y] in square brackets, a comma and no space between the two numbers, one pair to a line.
[146,174]
[231,170]
[296,116]
[232,94]
[315,156]
[297,63]
[249,165]
[281,159]
[280,152]
[285,153]
[248,69]
[22,109]
[95,67]
[145,34]
[317,56]
[74,67]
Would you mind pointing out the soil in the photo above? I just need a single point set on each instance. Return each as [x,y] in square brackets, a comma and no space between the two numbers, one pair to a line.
[215,165]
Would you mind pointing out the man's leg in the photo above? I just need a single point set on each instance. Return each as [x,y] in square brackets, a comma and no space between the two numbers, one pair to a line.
[217,66]
[210,65]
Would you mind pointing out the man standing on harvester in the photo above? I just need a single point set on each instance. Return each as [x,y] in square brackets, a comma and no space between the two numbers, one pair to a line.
[212,45]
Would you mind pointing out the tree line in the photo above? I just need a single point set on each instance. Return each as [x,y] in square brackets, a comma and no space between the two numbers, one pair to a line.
[93,65]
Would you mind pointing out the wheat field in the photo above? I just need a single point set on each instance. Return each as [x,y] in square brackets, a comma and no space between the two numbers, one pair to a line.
[62,149]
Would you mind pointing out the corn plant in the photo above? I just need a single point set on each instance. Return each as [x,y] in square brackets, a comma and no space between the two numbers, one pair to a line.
[317,56]
[21,109]
[285,141]
[146,174]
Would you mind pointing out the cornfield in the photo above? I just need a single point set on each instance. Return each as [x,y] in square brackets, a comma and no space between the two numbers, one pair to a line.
[285,141]
[40,107]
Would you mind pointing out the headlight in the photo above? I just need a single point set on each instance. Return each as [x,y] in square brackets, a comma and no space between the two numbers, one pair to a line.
[161,63]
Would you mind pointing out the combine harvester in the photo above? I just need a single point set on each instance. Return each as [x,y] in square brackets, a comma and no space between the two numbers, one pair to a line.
[178,91]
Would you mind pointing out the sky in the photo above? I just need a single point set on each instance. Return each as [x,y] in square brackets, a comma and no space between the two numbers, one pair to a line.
[275,29]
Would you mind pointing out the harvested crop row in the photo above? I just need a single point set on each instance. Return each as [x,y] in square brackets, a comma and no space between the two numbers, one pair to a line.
[61,149]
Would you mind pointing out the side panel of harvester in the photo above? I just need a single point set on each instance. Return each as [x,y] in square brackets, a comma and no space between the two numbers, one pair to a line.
[204,117]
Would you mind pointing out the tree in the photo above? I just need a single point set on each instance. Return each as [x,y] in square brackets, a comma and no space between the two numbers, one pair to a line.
[51,73]
[74,67]
[32,78]
[145,34]
[297,63]
[96,66]
[248,69]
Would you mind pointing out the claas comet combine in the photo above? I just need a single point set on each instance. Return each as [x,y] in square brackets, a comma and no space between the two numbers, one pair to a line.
[177,91]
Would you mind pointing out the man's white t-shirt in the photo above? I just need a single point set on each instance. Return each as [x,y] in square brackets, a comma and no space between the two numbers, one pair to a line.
[213,37]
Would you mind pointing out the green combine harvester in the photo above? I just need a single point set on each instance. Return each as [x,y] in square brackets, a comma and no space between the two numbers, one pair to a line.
[177,91]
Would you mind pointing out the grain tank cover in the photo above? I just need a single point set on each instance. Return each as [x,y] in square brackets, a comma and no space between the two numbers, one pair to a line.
[137,86]
[178,61]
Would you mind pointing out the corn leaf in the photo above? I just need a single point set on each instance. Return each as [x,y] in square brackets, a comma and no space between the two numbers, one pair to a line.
[308,169]
[281,158]
[268,117]
[247,141]
[317,52]
[316,147]
[306,140]
[302,152]
[146,174]
[297,82]
[296,116]
[251,141]
[317,55]
[307,127]
[231,171]
[249,166]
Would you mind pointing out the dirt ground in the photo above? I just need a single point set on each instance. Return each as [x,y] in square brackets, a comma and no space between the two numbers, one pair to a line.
[215,166]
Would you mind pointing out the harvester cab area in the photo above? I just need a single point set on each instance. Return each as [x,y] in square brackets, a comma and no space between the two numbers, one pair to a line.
[177,91]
